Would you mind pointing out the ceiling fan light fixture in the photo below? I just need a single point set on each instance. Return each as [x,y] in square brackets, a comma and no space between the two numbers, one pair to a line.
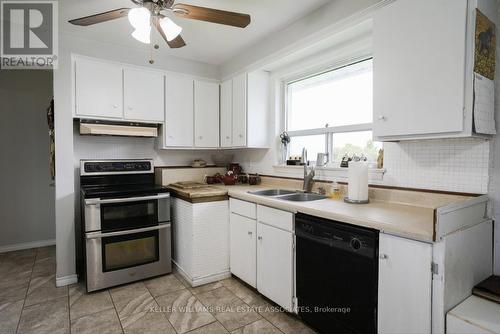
[139,18]
[171,29]
[143,35]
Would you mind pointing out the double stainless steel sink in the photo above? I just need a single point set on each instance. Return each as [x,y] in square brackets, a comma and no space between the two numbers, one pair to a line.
[289,195]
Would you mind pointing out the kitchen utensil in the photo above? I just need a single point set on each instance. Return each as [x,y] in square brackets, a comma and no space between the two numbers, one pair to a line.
[235,168]
[254,179]
[322,159]
[243,178]
[199,163]
[229,179]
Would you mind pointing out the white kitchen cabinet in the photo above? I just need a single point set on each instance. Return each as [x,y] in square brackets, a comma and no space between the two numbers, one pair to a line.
[243,248]
[405,286]
[240,110]
[98,89]
[423,53]
[261,252]
[143,95]
[226,113]
[275,264]
[200,233]
[178,130]
[245,111]
[206,114]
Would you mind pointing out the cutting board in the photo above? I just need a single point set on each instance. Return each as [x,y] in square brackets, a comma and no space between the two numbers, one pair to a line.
[188,185]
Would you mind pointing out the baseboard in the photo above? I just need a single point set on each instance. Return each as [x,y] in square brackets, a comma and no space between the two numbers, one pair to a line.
[66,280]
[27,245]
[210,278]
[197,281]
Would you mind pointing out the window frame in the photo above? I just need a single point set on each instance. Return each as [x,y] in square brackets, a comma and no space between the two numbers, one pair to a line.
[328,131]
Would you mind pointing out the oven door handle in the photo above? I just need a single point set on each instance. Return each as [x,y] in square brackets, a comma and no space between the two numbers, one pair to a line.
[95,201]
[98,235]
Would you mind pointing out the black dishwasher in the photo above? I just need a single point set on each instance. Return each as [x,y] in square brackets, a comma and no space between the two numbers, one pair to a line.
[337,275]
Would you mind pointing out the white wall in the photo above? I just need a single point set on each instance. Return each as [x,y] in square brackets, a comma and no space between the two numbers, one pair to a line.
[26,192]
[65,171]
[318,25]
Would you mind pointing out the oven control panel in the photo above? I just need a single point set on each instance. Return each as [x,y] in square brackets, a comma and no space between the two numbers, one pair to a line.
[117,166]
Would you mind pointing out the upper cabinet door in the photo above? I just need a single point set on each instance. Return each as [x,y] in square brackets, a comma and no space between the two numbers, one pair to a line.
[143,95]
[98,89]
[419,50]
[206,114]
[240,110]
[179,112]
[226,113]
[404,286]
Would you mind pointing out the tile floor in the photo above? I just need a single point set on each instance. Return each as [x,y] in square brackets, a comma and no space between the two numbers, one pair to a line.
[30,303]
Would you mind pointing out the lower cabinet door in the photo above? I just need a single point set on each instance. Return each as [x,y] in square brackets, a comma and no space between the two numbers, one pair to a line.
[275,264]
[405,286]
[242,248]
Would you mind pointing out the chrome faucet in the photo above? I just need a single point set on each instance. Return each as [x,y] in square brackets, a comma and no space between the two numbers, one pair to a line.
[308,177]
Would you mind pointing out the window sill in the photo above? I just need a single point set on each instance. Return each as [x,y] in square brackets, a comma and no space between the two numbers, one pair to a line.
[328,173]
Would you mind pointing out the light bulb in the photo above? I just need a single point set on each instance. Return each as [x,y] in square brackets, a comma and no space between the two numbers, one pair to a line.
[139,18]
[143,35]
[170,29]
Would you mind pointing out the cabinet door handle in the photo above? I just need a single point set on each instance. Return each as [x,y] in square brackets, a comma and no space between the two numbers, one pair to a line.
[383,256]
[260,238]
[381,118]
[241,136]
[250,233]
[115,106]
[227,137]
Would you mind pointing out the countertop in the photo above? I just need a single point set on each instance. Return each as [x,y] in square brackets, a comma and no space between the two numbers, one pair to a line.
[415,221]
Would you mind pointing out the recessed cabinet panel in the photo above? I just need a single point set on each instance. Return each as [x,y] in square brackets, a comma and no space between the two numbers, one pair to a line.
[143,95]
[243,248]
[98,89]
[206,114]
[240,110]
[419,52]
[226,113]
[179,113]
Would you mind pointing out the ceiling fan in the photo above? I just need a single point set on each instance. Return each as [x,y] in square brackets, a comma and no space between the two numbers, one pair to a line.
[149,14]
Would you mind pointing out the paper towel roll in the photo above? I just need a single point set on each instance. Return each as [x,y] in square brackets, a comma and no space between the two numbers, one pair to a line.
[358,181]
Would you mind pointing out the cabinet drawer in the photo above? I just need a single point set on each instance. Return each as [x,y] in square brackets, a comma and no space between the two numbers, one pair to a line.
[274,217]
[242,208]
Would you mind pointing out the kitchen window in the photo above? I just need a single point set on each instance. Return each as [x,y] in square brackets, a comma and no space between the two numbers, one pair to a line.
[331,112]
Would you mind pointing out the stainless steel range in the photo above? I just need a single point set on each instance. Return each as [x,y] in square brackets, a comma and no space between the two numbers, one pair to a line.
[126,227]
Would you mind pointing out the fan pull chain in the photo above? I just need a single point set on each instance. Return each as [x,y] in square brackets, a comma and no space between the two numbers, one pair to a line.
[152,36]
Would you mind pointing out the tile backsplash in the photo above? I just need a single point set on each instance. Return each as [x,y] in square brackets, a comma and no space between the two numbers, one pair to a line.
[460,165]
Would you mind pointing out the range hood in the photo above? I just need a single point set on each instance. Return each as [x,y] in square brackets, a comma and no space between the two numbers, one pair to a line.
[110,128]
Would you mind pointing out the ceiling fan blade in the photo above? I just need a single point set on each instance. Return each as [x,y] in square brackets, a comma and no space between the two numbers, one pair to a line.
[176,43]
[211,15]
[101,17]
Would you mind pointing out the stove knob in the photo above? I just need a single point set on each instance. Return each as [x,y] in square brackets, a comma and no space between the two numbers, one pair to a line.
[355,243]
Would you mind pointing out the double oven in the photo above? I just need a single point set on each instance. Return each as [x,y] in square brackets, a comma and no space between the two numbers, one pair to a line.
[126,231]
